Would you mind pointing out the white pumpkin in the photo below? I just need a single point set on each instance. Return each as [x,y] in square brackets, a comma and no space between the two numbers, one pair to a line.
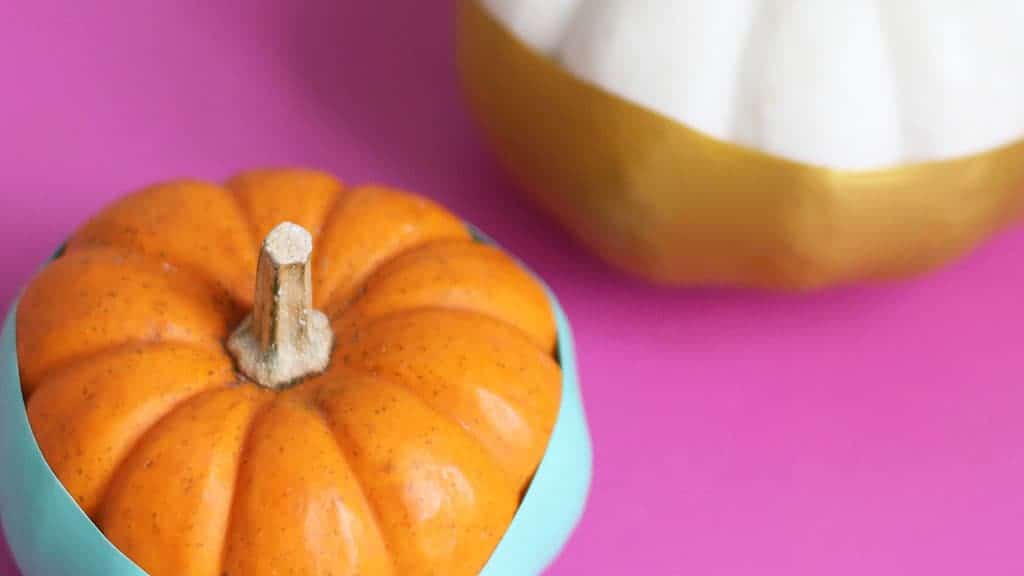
[908,94]
[843,83]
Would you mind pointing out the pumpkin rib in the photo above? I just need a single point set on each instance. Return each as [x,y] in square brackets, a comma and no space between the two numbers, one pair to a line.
[371,504]
[434,410]
[375,516]
[95,280]
[332,306]
[226,403]
[358,293]
[76,362]
[246,444]
[340,325]
[126,226]
[295,446]
[141,440]
[200,277]
[116,385]
[237,189]
[250,225]
[461,274]
[435,223]
[342,322]
[212,285]
[328,390]
[356,328]
[334,310]
[327,303]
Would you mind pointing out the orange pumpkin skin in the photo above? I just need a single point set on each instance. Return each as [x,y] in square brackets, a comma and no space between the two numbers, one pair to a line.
[408,455]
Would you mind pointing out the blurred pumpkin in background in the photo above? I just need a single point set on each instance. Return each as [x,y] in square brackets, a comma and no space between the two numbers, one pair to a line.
[738,142]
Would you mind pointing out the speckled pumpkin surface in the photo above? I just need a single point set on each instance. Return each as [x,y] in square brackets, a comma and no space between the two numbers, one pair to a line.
[407,455]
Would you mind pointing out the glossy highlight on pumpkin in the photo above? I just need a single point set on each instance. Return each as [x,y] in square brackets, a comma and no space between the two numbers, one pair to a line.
[407,456]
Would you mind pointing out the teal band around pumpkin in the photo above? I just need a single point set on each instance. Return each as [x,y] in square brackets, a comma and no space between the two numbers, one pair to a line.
[556,497]
[49,535]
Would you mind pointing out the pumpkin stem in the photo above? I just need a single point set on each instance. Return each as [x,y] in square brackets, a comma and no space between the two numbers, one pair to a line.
[285,338]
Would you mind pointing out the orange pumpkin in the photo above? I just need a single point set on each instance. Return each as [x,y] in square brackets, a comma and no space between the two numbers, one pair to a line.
[376,406]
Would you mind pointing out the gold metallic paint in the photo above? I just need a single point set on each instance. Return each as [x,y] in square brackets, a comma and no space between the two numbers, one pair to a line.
[675,206]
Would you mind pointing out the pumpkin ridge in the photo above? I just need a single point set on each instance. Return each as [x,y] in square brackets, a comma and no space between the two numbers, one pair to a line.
[328,302]
[243,454]
[398,381]
[238,183]
[115,387]
[196,296]
[250,226]
[208,283]
[265,430]
[490,303]
[75,361]
[324,389]
[360,290]
[343,197]
[334,309]
[402,381]
[340,326]
[178,406]
[371,505]
[80,240]
[79,359]
[227,401]
[332,303]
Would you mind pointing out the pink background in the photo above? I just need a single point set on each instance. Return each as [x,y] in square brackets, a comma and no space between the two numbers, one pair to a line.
[864,431]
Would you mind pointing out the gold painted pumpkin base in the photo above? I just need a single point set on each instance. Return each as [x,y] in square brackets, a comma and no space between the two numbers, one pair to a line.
[675,206]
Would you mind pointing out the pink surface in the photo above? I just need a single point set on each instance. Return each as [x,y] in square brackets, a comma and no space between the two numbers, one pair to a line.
[866,431]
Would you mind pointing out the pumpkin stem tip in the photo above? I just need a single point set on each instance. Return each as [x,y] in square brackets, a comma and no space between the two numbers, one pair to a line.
[285,338]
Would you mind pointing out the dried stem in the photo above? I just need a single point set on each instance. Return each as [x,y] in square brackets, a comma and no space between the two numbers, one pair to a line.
[284,339]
